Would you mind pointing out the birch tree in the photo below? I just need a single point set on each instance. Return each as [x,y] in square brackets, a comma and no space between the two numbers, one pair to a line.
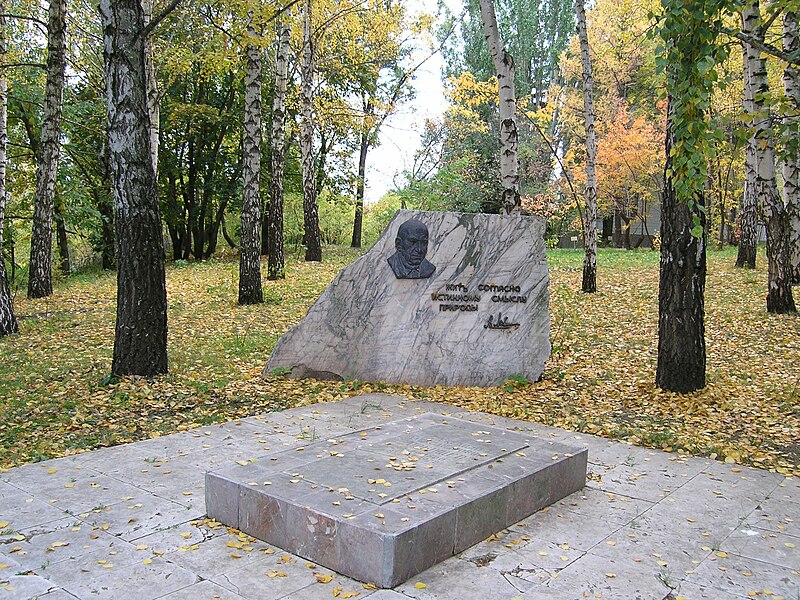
[791,162]
[504,66]
[8,322]
[746,256]
[762,140]
[140,337]
[311,233]
[590,191]
[250,291]
[40,280]
[275,266]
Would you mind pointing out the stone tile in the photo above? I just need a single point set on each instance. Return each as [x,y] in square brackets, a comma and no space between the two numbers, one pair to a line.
[457,579]
[640,481]
[46,476]
[146,581]
[777,515]
[57,594]
[23,587]
[660,553]
[269,580]
[77,573]
[739,575]
[204,590]
[603,506]
[22,510]
[562,526]
[776,548]
[697,592]
[596,576]
[58,541]
[219,554]
[187,537]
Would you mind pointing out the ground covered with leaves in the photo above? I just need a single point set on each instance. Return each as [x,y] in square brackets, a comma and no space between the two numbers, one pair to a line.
[56,397]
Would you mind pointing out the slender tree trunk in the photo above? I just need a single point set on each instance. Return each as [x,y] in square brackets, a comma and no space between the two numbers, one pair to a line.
[748,231]
[358,220]
[310,212]
[779,289]
[590,192]
[275,265]
[153,107]
[40,280]
[250,291]
[681,311]
[140,339]
[504,66]
[8,322]
[791,165]
[61,235]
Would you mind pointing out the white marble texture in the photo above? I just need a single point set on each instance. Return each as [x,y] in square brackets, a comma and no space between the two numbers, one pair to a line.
[371,326]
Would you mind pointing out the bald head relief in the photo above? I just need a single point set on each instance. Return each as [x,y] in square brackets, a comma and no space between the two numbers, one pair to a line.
[411,246]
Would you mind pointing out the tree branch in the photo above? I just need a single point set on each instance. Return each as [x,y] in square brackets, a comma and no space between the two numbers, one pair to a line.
[148,29]
[792,59]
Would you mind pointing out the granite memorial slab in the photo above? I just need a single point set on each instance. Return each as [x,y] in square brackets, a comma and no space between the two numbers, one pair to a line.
[385,503]
[442,298]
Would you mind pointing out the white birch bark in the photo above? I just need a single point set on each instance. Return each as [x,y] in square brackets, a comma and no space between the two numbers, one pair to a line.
[40,279]
[509,142]
[746,256]
[770,203]
[310,213]
[791,165]
[275,267]
[250,290]
[590,192]
[153,99]
[8,322]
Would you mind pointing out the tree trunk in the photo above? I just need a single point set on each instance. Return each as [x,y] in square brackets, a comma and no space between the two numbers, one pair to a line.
[791,165]
[358,220]
[504,66]
[748,232]
[682,279]
[8,322]
[140,339]
[250,291]
[61,235]
[310,214]
[590,192]
[779,288]
[275,265]
[153,108]
[40,280]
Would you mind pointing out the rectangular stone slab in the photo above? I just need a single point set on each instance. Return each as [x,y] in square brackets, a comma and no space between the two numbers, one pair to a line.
[383,504]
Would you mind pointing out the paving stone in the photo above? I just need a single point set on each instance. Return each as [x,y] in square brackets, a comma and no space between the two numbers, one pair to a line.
[613,578]
[561,526]
[58,541]
[204,590]
[216,556]
[457,579]
[697,592]
[23,587]
[740,575]
[144,581]
[776,548]
[777,515]
[57,594]
[22,510]
[641,481]
[269,580]
[186,537]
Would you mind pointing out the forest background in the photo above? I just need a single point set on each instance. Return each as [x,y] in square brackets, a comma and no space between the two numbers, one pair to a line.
[348,67]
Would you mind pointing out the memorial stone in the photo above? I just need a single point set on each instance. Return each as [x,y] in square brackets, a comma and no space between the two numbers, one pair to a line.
[442,298]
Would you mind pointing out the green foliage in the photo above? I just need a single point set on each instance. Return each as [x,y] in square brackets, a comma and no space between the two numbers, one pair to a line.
[689,31]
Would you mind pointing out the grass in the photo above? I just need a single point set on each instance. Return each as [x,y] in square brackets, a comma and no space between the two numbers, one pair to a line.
[56,397]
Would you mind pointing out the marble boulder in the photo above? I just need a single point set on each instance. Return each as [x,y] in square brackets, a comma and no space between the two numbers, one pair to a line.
[478,317]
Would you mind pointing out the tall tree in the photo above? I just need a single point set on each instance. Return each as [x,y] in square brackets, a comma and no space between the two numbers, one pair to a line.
[250,291]
[140,339]
[748,217]
[791,161]
[40,280]
[275,266]
[689,29]
[509,142]
[8,322]
[590,191]
[311,234]
[779,289]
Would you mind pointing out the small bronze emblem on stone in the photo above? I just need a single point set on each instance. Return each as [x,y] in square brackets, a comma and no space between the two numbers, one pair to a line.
[411,246]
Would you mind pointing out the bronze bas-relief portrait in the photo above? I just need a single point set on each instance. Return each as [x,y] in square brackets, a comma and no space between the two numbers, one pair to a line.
[411,246]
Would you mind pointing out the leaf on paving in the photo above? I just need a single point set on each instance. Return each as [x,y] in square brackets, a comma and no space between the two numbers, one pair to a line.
[322,578]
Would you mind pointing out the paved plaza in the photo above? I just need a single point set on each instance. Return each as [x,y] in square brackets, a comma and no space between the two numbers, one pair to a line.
[129,523]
